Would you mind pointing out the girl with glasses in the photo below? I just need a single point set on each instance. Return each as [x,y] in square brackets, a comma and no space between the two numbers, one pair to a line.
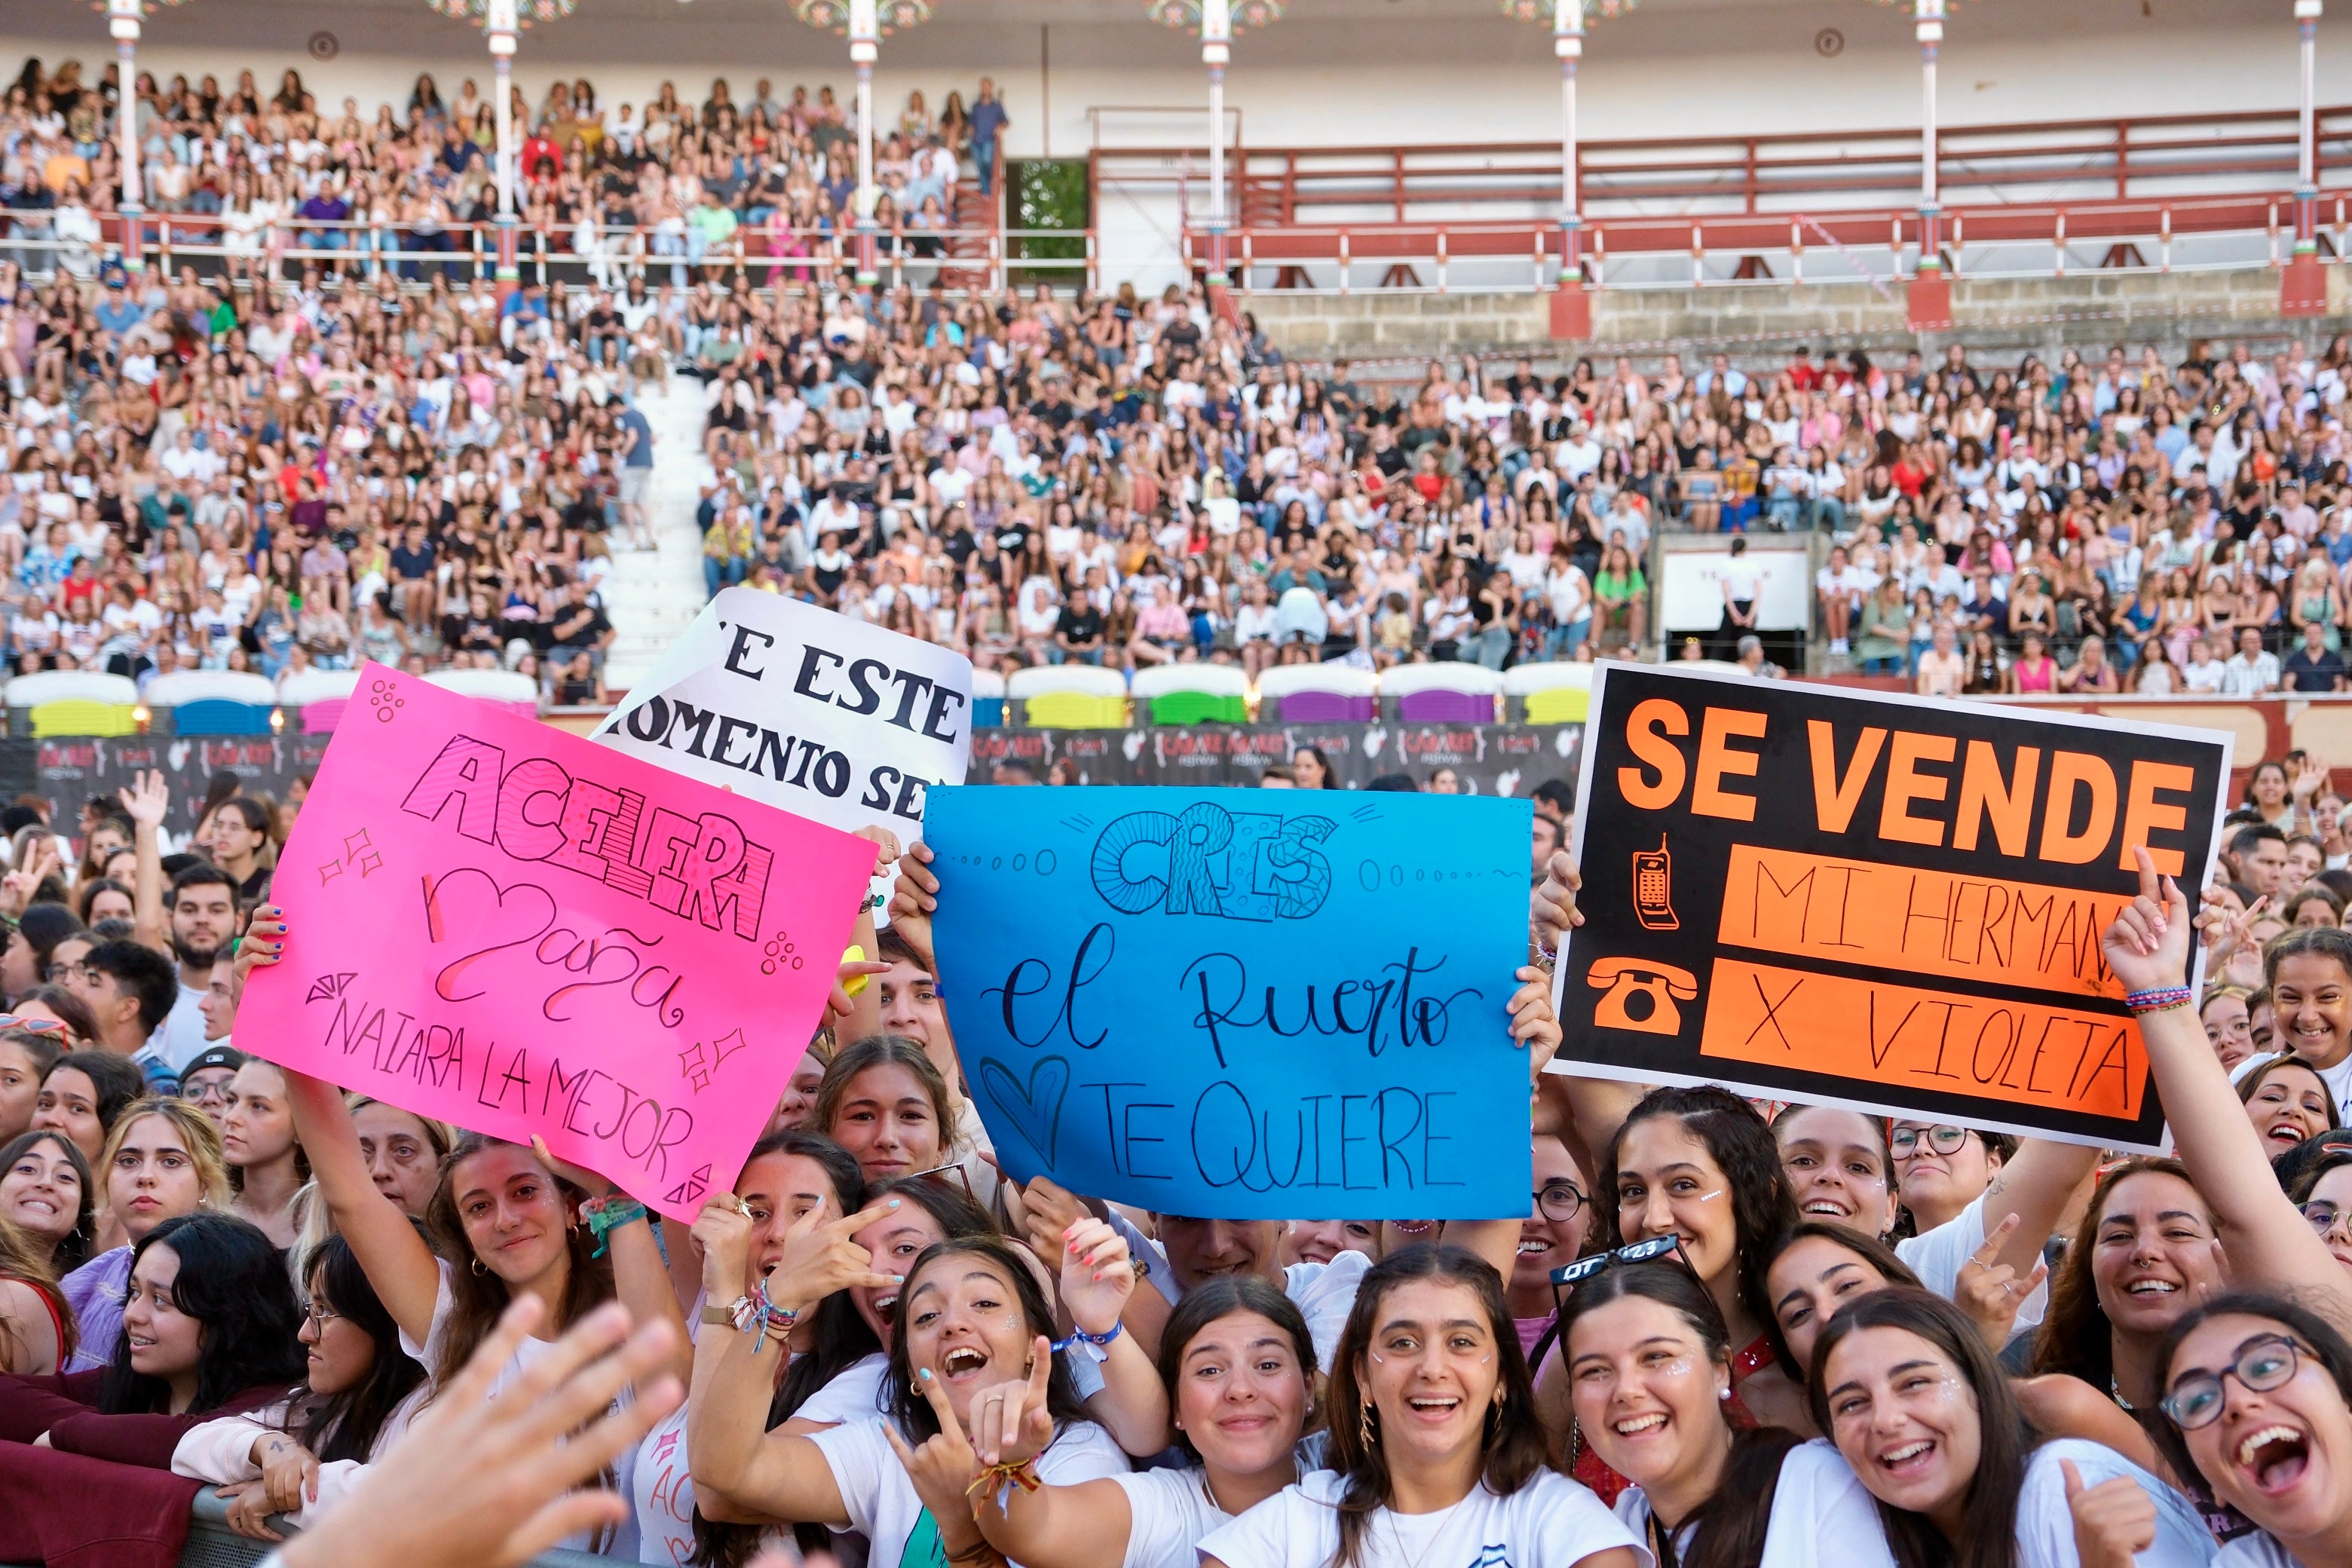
[359,1392]
[1906,1390]
[2258,1404]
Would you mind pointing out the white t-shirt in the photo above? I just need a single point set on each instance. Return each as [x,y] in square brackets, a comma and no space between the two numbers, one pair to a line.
[1936,1257]
[1324,1293]
[1821,1514]
[2045,1525]
[854,1395]
[182,1038]
[1550,1522]
[1170,1513]
[885,1507]
[2259,1550]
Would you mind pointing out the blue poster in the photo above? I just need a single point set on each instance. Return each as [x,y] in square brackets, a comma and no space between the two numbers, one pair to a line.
[1235,1004]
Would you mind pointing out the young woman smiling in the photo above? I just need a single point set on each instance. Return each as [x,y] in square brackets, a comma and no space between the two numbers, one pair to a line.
[2288,1102]
[972,1323]
[1239,1366]
[359,1394]
[2258,1403]
[2308,973]
[1435,1443]
[162,1163]
[83,1094]
[264,1160]
[1650,1371]
[1699,1164]
[46,1191]
[1904,1386]
[884,1101]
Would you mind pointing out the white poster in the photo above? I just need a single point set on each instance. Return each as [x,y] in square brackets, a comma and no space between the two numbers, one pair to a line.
[1690,589]
[827,718]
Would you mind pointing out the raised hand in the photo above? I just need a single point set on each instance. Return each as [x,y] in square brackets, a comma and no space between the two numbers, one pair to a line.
[148,800]
[1990,1291]
[723,1231]
[2146,947]
[1044,1212]
[580,1176]
[1534,1028]
[820,1257]
[1551,908]
[943,1469]
[1009,1423]
[1098,1275]
[914,897]
[263,944]
[2113,1521]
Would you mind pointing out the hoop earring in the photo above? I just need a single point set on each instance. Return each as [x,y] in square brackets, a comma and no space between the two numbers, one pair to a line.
[1364,1426]
[478,1269]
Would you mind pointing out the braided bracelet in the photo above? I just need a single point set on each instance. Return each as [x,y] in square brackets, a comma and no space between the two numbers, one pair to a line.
[1078,1336]
[759,1315]
[2142,1002]
[995,1480]
[609,1215]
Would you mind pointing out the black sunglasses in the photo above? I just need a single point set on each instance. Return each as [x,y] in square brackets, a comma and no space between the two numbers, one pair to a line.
[1569,1276]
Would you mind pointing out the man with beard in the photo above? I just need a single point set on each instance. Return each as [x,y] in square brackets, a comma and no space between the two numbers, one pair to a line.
[203,918]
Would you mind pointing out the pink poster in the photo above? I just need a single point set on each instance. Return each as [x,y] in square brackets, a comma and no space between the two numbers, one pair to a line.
[515,930]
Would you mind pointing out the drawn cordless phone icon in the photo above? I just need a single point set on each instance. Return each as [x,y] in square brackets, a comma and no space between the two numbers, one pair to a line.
[1653,873]
[1641,994]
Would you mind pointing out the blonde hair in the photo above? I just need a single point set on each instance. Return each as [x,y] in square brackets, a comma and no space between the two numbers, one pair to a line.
[197,1136]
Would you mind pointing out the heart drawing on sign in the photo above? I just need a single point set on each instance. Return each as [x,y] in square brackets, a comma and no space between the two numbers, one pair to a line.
[1035,1111]
[470,912]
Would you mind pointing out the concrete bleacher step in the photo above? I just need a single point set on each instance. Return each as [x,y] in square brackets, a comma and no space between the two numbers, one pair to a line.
[653,595]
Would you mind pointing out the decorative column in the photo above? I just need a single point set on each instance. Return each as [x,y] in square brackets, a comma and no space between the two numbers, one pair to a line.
[122,22]
[2303,287]
[1931,290]
[1217,21]
[500,21]
[867,23]
[1571,305]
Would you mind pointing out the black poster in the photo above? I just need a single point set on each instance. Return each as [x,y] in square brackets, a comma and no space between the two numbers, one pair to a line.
[1806,892]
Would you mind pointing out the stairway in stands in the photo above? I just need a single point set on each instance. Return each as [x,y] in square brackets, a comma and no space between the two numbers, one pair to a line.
[977,216]
[652,595]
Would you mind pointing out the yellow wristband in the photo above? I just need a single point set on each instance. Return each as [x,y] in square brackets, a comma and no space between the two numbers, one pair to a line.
[855,984]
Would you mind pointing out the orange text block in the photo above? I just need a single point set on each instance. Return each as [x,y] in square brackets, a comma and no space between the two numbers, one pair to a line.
[1919,922]
[1881,1032]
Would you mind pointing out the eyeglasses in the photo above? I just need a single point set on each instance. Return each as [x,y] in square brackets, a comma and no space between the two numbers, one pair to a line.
[1560,1201]
[193,1091]
[320,1314]
[1904,1142]
[1569,1276]
[2264,1363]
[36,1025]
[2325,1217]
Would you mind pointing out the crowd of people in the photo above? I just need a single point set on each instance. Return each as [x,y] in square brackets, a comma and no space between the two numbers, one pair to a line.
[1723,1332]
[319,443]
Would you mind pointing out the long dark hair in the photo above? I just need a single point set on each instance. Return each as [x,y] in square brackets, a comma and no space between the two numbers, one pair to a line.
[232,1282]
[1744,1150]
[2076,1338]
[1988,1534]
[476,1297]
[73,1251]
[119,1083]
[346,1425]
[2321,1338]
[1732,1523]
[841,1338]
[1221,1297]
[1869,1249]
[1515,1447]
[909,1405]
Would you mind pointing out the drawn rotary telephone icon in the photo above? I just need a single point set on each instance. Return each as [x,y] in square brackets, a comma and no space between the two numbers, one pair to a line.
[1641,995]
[1653,879]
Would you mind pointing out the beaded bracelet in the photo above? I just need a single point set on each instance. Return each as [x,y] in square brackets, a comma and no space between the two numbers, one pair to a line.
[2142,1002]
[1079,1336]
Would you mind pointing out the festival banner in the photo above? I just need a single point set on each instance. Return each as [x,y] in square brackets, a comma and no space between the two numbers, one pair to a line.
[828,718]
[1241,1004]
[506,927]
[1851,897]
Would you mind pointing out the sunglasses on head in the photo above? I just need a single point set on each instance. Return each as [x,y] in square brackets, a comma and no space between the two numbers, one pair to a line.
[947,1176]
[36,1025]
[1658,1250]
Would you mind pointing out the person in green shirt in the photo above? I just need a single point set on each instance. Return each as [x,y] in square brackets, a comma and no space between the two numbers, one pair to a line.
[1883,643]
[1622,593]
